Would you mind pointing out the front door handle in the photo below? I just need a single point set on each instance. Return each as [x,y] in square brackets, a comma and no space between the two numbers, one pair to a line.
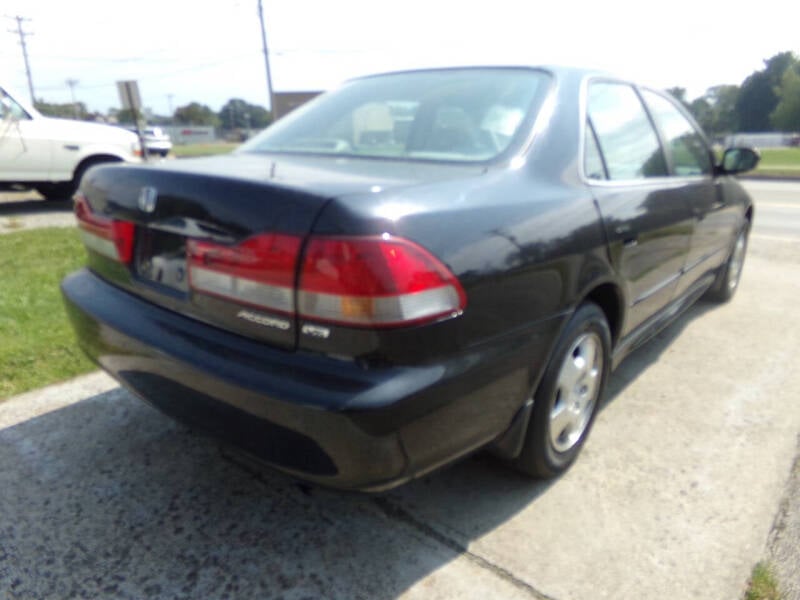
[629,239]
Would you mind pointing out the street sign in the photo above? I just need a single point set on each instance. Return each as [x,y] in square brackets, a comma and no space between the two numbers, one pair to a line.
[129,95]
[129,98]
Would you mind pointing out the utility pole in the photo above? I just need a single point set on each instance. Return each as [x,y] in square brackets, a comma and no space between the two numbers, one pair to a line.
[266,60]
[22,35]
[72,83]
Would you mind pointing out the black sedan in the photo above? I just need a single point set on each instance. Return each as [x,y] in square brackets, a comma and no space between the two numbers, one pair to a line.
[410,268]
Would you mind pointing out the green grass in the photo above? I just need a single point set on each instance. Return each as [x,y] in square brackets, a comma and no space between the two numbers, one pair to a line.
[763,585]
[779,162]
[38,346]
[190,150]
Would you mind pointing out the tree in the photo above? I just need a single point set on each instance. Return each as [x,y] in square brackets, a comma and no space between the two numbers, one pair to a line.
[756,102]
[715,110]
[678,93]
[239,114]
[703,113]
[723,108]
[195,113]
[758,97]
[64,111]
[786,116]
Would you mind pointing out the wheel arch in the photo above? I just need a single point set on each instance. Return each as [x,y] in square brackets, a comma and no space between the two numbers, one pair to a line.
[91,160]
[608,296]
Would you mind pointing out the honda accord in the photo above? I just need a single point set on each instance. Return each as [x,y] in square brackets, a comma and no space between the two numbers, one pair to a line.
[410,268]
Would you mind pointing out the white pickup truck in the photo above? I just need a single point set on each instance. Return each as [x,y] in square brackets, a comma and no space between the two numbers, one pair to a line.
[51,155]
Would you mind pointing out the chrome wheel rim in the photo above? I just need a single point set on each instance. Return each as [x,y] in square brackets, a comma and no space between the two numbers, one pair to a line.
[577,388]
[737,261]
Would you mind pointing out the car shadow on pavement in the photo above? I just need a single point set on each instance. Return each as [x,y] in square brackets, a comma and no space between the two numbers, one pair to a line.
[32,206]
[108,498]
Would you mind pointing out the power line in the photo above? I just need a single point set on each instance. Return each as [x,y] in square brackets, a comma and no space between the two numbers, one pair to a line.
[22,35]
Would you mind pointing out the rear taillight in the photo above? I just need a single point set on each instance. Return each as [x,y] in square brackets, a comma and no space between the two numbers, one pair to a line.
[375,281]
[110,237]
[380,281]
[259,271]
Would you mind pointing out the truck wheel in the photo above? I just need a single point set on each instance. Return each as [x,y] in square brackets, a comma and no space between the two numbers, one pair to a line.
[63,190]
[56,191]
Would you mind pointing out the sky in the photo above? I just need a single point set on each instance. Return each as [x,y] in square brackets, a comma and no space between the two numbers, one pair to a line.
[208,51]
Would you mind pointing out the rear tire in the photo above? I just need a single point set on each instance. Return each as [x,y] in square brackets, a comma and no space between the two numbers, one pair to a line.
[730,273]
[566,401]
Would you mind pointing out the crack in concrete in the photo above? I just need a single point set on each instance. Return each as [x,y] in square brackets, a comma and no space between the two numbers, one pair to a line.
[398,513]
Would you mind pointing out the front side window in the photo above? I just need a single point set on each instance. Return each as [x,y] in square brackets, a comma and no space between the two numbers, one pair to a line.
[625,135]
[689,152]
[467,115]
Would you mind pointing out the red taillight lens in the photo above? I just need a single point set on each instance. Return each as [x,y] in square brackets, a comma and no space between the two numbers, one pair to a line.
[109,237]
[259,271]
[375,281]
[364,281]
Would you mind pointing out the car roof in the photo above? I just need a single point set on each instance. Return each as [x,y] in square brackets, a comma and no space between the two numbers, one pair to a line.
[557,70]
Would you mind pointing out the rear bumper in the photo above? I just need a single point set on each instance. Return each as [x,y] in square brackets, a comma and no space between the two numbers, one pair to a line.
[332,422]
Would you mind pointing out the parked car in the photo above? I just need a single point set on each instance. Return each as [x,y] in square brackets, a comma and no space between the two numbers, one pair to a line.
[51,155]
[156,141]
[358,303]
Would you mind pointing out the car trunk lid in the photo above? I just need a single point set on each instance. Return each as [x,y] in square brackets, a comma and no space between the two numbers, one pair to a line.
[195,241]
[220,239]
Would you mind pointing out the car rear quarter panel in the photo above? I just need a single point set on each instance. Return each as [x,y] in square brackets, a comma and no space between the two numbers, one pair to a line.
[524,238]
[523,249]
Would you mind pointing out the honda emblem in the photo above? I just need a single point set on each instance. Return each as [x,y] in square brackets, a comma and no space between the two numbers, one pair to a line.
[147,199]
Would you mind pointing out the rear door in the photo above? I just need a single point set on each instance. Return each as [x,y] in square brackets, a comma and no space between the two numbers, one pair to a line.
[647,219]
[692,171]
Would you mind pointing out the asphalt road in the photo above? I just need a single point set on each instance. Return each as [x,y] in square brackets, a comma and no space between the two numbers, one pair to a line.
[679,492]
[777,209]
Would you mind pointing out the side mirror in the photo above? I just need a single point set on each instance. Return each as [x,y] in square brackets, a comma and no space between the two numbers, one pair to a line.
[739,160]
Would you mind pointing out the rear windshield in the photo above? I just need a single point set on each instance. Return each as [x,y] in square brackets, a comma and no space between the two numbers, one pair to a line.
[469,115]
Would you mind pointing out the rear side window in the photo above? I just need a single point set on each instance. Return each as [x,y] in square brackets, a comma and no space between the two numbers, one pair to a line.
[685,145]
[592,159]
[626,137]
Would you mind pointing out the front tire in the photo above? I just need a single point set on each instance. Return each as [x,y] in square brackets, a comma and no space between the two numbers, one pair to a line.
[566,401]
[63,190]
[729,275]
